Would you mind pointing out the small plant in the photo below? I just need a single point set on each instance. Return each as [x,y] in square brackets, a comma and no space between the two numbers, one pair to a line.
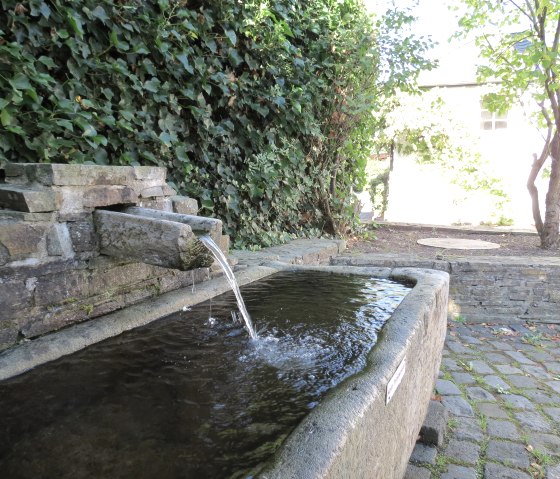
[87,308]
[453,423]
[501,390]
[534,339]
[483,422]
[459,319]
[467,366]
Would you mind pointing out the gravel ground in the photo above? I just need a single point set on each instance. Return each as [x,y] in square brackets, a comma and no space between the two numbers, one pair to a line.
[394,238]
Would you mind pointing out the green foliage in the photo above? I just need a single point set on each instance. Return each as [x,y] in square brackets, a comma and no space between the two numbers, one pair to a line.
[379,191]
[259,109]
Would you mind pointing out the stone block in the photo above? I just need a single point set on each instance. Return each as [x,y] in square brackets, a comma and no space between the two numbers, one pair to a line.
[151,192]
[8,334]
[435,424]
[83,235]
[14,297]
[498,471]
[466,452]
[416,472]
[23,239]
[70,175]
[512,452]
[59,242]
[184,205]
[458,406]
[48,217]
[423,454]
[447,388]
[150,173]
[26,199]
[64,287]
[97,196]
[161,203]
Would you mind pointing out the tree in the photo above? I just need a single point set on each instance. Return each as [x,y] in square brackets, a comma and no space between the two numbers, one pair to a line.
[520,40]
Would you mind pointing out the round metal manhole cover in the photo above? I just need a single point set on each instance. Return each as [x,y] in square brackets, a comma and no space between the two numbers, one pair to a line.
[457,243]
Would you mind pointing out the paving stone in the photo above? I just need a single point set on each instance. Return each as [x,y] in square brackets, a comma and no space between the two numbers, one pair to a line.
[447,388]
[423,454]
[470,340]
[554,413]
[481,367]
[535,371]
[463,378]
[519,357]
[496,382]
[416,472]
[458,406]
[508,453]
[553,472]
[450,364]
[554,385]
[502,429]
[497,471]
[480,394]
[492,410]
[501,345]
[507,369]
[541,356]
[459,472]
[553,366]
[522,382]
[519,402]
[533,421]
[463,451]
[435,424]
[541,397]
[496,358]
[468,429]
[548,443]
[458,348]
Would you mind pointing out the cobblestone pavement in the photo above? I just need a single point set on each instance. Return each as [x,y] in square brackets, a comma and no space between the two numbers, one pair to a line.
[501,386]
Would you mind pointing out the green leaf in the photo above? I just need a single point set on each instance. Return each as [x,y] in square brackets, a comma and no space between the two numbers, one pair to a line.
[47,61]
[152,85]
[76,23]
[20,82]
[185,62]
[5,117]
[99,13]
[89,131]
[66,124]
[232,37]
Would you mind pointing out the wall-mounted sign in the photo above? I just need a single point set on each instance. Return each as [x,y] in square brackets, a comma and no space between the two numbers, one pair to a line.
[394,382]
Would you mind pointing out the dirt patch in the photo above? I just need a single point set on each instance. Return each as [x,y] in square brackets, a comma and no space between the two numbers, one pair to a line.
[403,239]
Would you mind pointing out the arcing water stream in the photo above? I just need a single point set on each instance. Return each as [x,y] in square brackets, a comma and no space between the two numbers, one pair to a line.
[221,258]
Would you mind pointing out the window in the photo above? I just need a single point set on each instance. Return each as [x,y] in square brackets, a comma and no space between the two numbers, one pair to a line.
[490,120]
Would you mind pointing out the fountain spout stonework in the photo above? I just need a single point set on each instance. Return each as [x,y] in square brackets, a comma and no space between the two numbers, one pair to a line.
[80,241]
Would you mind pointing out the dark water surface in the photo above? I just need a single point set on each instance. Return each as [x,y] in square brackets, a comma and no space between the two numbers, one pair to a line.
[190,395]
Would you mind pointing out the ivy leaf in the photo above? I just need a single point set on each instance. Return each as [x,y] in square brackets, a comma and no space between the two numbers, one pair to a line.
[20,82]
[234,57]
[89,131]
[66,124]
[47,61]
[185,62]
[232,37]
[5,117]
[100,13]
[76,23]
[152,85]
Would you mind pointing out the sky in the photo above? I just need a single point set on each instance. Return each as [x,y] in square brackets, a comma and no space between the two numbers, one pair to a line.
[457,58]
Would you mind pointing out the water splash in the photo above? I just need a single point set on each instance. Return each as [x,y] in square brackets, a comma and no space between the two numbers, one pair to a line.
[222,260]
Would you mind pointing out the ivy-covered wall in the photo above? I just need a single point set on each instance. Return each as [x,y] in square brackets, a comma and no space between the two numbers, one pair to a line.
[259,109]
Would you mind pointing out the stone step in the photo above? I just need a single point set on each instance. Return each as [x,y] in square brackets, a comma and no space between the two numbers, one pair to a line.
[27,199]
[435,424]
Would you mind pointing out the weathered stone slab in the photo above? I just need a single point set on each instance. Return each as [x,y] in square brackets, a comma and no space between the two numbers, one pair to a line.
[81,175]
[153,241]
[98,196]
[26,199]
[184,205]
[435,424]
[59,242]
[48,217]
[22,239]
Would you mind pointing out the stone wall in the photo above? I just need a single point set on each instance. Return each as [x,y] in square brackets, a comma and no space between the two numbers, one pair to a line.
[51,271]
[501,289]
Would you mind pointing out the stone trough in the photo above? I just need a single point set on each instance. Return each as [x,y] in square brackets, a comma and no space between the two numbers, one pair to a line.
[365,427]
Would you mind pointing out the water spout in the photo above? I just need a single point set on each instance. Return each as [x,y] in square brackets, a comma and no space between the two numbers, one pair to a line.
[220,258]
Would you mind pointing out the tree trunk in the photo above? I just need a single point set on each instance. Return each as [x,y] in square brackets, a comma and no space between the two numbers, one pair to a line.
[550,238]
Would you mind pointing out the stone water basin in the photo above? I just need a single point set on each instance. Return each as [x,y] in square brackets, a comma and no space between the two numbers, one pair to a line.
[123,408]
